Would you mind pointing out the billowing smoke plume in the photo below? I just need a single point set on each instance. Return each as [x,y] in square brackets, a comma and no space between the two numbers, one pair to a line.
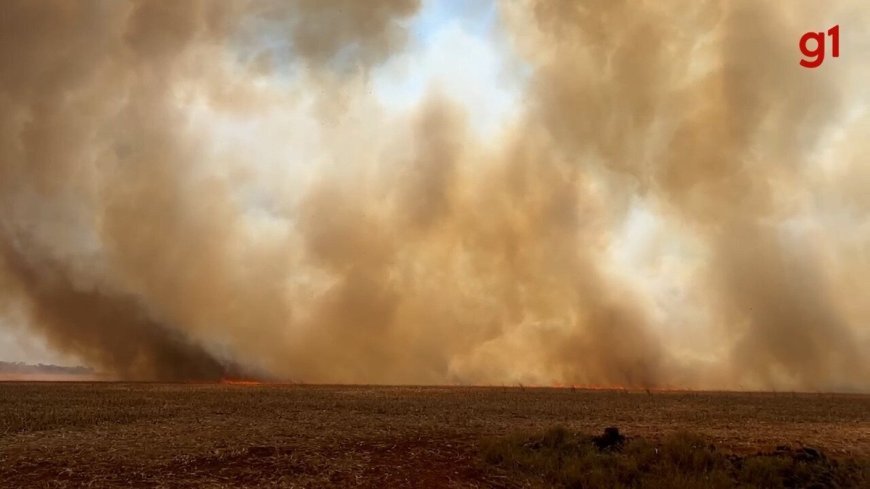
[190,185]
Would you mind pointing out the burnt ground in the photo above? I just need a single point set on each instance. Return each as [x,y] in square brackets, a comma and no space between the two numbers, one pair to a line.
[180,435]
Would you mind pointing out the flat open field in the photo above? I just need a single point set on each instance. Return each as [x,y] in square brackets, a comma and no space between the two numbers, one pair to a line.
[177,435]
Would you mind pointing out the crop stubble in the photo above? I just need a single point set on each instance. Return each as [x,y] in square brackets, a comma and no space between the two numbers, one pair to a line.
[175,435]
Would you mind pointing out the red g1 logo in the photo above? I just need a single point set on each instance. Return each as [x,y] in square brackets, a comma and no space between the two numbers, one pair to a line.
[812,46]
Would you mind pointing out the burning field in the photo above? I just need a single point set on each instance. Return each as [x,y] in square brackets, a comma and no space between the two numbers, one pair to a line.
[244,199]
[231,435]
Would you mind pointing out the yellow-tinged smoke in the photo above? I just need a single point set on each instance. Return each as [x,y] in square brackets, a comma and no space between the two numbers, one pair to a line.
[408,249]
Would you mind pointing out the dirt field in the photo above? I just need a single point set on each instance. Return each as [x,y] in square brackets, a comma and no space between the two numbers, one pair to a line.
[158,435]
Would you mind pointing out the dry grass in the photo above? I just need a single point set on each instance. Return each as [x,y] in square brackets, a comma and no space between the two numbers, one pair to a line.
[159,435]
[560,458]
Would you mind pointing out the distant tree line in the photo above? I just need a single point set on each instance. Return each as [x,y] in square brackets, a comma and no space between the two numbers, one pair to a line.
[41,368]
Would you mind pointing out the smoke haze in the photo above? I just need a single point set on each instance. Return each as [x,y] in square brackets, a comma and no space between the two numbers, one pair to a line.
[193,189]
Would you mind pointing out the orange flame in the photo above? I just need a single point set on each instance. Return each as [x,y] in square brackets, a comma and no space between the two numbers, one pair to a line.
[231,381]
[615,387]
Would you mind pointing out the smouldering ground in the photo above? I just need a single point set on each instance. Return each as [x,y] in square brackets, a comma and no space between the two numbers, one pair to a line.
[176,435]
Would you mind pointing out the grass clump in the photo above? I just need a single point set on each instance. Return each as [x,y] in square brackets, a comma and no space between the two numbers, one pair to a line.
[561,458]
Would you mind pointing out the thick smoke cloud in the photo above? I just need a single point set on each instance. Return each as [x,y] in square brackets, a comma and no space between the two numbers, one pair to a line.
[407,249]
[723,152]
